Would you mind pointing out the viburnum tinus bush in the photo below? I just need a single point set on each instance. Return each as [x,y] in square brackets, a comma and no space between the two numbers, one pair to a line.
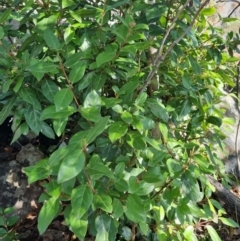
[130,87]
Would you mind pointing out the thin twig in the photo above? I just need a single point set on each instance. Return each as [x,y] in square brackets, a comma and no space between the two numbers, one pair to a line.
[160,58]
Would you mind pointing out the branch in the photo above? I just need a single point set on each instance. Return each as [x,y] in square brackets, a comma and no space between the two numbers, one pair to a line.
[159,57]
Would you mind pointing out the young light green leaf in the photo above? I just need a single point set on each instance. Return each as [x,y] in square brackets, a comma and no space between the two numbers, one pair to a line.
[117,130]
[189,234]
[49,210]
[72,164]
[63,98]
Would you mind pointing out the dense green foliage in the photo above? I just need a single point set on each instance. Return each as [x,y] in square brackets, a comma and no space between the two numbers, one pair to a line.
[140,127]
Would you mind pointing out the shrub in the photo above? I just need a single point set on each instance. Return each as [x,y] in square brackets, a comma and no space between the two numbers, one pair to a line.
[131,88]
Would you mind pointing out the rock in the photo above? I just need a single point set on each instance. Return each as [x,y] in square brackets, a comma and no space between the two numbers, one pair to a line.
[14,187]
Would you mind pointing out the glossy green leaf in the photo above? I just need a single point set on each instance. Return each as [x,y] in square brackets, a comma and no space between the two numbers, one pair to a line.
[214,120]
[95,131]
[126,117]
[4,16]
[78,225]
[32,117]
[135,209]
[40,68]
[6,110]
[73,59]
[29,95]
[68,34]
[128,87]
[87,80]
[81,199]
[47,130]
[117,130]
[77,72]
[63,98]
[106,228]
[48,212]
[229,222]
[96,169]
[51,113]
[91,113]
[126,233]
[107,55]
[92,99]
[173,166]
[117,208]
[103,202]
[58,155]
[59,126]
[49,89]
[158,109]
[51,40]
[135,140]
[72,164]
